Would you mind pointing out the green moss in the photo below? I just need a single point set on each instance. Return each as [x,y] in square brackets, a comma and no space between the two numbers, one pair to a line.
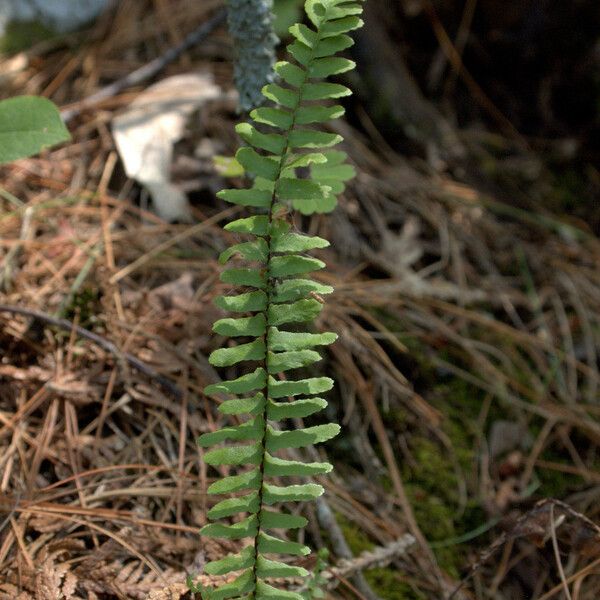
[388,584]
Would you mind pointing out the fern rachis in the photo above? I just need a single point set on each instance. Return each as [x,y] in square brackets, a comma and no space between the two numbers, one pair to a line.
[276,293]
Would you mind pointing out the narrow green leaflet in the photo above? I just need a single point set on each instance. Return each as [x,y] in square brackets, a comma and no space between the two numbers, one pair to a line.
[28,124]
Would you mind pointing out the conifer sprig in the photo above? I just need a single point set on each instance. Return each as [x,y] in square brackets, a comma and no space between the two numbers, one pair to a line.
[276,294]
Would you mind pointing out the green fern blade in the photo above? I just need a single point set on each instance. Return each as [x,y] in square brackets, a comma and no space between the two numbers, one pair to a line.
[244,584]
[264,591]
[294,289]
[284,96]
[291,340]
[244,529]
[274,494]
[324,91]
[268,544]
[250,430]
[298,438]
[280,467]
[330,45]
[294,242]
[245,277]
[266,568]
[275,117]
[309,138]
[226,357]
[300,311]
[308,115]
[251,480]
[247,302]
[286,266]
[290,73]
[245,326]
[270,519]
[256,225]
[235,455]
[266,167]
[312,385]
[297,409]
[286,361]
[241,406]
[274,143]
[233,562]
[343,25]
[250,197]
[256,251]
[330,65]
[291,188]
[301,53]
[250,382]
[232,506]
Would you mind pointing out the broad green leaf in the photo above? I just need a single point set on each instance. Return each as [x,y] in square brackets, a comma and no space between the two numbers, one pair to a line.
[304,34]
[240,586]
[255,251]
[330,65]
[249,197]
[250,301]
[271,568]
[276,411]
[268,544]
[300,311]
[271,142]
[250,326]
[235,455]
[299,438]
[270,519]
[305,115]
[294,242]
[233,562]
[294,289]
[225,357]
[255,163]
[264,591]
[28,124]
[291,340]
[233,506]
[323,91]
[286,361]
[242,385]
[272,494]
[284,266]
[275,117]
[251,430]
[249,277]
[257,225]
[291,74]
[310,138]
[241,406]
[313,385]
[280,95]
[279,467]
[235,483]
[248,527]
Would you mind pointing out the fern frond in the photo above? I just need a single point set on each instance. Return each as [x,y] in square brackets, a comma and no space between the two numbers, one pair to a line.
[285,141]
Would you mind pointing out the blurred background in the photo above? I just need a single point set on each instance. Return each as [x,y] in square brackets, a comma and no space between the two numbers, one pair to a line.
[465,261]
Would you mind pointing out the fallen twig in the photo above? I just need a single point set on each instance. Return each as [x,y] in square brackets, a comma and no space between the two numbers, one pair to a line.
[148,70]
[105,344]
